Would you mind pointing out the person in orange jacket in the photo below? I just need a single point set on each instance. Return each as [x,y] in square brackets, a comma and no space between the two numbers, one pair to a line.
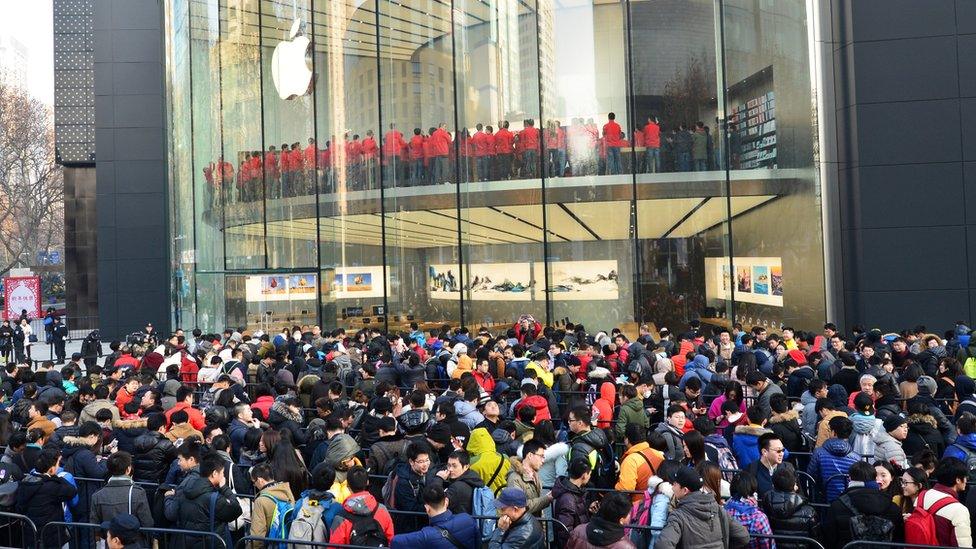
[393,149]
[370,154]
[529,141]
[416,157]
[504,148]
[611,137]
[184,401]
[440,148]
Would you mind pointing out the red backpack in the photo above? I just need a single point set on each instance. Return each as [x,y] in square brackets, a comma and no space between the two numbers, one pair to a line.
[920,525]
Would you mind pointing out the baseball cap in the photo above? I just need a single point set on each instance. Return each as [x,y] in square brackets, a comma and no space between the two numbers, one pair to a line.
[688,478]
[124,526]
[510,497]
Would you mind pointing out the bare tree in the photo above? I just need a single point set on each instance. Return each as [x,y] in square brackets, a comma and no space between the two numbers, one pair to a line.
[31,183]
[690,92]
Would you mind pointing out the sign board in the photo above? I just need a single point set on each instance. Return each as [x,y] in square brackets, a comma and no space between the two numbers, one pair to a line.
[22,293]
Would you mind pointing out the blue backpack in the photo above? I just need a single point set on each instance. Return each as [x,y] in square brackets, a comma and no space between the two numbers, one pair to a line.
[281,520]
[483,505]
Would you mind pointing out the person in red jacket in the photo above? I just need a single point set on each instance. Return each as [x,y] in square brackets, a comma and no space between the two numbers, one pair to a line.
[504,149]
[611,138]
[325,168]
[272,174]
[416,157]
[311,155]
[489,151]
[429,156]
[532,399]
[255,167]
[225,175]
[529,142]
[652,142]
[440,148]
[393,148]
[370,153]
[360,504]
[477,143]
[354,156]
[184,401]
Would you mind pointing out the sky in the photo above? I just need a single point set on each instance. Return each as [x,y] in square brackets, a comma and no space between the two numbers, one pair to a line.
[33,24]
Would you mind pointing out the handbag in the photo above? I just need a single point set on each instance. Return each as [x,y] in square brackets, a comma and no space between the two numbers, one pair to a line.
[245,519]
[32,338]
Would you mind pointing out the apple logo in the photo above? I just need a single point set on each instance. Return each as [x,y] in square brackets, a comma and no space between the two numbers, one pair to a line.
[291,68]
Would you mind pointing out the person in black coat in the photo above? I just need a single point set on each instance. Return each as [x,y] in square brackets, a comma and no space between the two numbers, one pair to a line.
[570,506]
[459,482]
[153,452]
[80,459]
[923,431]
[789,513]
[784,422]
[863,495]
[189,505]
[287,414]
[41,496]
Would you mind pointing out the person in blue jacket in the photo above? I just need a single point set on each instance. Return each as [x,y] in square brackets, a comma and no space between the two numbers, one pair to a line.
[445,531]
[745,440]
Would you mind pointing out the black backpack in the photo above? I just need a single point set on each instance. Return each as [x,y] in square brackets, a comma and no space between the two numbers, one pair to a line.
[867,527]
[366,530]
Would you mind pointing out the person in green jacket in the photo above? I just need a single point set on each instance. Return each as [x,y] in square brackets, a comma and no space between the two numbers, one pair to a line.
[631,411]
[490,465]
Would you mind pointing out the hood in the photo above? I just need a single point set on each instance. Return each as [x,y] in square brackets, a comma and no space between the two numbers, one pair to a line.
[362,503]
[919,420]
[608,392]
[603,533]
[807,398]
[281,490]
[53,378]
[700,506]
[965,387]
[700,362]
[481,442]
[789,415]
[564,486]
[837,447]
[471,478]
[838,396]
[967,441]
[195,486]
[663,366]
[341,448]
[463,408]
[717,441]
[754,430]
[864,424]
[798,357]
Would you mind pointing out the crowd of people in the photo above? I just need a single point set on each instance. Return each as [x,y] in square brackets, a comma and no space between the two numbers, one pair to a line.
[536,436]
[484,153]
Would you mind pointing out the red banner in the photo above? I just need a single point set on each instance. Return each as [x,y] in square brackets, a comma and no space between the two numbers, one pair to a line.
[22,293]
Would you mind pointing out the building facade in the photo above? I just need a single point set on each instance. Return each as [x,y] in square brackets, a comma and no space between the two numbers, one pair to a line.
[707,204]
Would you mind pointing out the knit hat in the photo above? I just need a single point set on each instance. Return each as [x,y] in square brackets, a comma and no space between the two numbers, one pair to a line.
[927,385]
[893,422]
[440,433]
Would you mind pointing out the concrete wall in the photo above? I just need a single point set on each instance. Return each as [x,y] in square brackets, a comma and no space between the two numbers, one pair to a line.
[133,281]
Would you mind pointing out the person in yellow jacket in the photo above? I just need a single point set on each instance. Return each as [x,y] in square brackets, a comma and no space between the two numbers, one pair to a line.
[540,365]
[490,465]
[639,463]
[265,504]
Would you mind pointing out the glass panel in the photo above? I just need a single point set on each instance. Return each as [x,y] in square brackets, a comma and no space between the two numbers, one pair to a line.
[775,190]
[682,206]
[590,160]
[421,225]
[181,162]
[350,234]
[497,65]
[240,98]
[289,128]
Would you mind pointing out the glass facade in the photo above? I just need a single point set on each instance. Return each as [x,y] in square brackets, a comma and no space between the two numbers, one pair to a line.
[470,161]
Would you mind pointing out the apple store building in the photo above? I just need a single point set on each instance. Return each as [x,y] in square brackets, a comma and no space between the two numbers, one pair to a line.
[380,162]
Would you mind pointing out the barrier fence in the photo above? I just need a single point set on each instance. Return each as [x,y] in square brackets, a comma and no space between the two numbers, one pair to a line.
[83,535]
[16,530]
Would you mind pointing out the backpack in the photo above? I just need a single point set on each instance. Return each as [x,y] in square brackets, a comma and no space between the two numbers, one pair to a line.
[366,530]
[920,525]
[726,461]
[640,515]
[308,523]
[867,527]
[281,519]
[483,504]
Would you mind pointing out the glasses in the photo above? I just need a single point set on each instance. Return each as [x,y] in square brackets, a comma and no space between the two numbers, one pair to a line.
[777,450]
[540,456]
[903,481]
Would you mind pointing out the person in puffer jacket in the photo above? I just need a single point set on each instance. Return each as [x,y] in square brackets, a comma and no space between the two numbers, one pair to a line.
[789,513]
[964,449]
[660,494]
[834,458]
[359,503]
[887,442]
[467,409]
[485,460]
[745,441]
[697,367]
[866,426]
[606,530]
[570,506]
[153,451]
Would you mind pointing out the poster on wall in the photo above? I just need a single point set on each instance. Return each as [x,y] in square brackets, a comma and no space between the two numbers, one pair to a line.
[359,282]
[22,293]
[756,279]
[499,282]
[264,288]
[579,280]
[444,281]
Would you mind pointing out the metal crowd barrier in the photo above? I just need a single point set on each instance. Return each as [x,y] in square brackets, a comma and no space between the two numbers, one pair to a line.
[74,532]
[251,542]
[16,530]
[858,544]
